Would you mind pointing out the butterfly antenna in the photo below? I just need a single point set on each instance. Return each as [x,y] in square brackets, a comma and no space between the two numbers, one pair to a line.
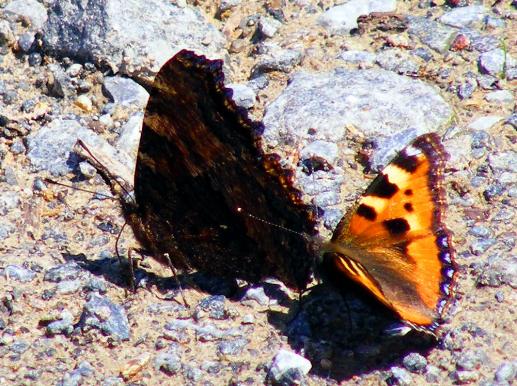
[53,182]
[240,210]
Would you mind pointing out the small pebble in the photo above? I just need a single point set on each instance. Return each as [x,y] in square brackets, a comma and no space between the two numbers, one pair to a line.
[68,286]
[74,70]
[87,169]
[499,96]
[465,376]
[214,306]
[18,273]
[18,147]
[414,362]
[492,62]
[62,326]
[135,365]
[99,312]
[460,43]
[506,372]
[485,123]
[288,368]
[401,376]
[243,95]
[232,347]
[67,271]
[25,41]
[432,374]
[268,26]
[35,59]
[19,346]
[168,362]
[84,103]
[257,294]
[467,88]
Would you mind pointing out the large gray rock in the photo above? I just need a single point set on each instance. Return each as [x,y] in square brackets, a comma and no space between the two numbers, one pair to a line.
[125,91]
[470,16]
[382,105]
[31,9]
[101,313]
[342,19]
[493,62]
[431,33]
[51,147]
[275,58]
[129,36]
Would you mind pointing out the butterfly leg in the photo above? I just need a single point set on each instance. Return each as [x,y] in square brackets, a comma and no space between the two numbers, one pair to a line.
[132,281]
[131,261]
[174,274]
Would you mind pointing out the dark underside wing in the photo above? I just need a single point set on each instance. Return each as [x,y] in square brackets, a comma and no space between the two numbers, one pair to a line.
[199,160]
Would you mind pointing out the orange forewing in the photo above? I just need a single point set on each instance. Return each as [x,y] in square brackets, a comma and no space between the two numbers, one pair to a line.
[394,242]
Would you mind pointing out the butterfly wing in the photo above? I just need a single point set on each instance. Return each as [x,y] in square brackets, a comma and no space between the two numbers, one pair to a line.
[394,242]
[200,158]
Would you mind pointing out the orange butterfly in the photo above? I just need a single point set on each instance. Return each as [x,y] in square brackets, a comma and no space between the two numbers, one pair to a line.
[394,243]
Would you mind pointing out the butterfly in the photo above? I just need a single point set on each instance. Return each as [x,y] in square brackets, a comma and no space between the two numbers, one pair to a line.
[200,166]
[200,158]
[394,243]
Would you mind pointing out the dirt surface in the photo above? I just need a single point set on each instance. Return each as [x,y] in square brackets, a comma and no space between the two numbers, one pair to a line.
[233,339]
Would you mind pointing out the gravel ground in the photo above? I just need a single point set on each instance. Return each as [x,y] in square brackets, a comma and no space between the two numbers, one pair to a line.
[328,81]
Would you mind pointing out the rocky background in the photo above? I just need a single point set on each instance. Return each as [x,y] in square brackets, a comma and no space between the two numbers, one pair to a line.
[343,83]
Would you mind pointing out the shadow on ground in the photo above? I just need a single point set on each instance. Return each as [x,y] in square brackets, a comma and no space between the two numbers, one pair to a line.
[341,331]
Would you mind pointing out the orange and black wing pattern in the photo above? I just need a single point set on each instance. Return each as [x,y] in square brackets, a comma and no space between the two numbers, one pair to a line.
[394,243]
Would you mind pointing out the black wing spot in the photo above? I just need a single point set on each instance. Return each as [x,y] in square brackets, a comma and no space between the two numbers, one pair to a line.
[408,207]
[406,162]
[396,226]
[382,187]
[408,192]
[367,212]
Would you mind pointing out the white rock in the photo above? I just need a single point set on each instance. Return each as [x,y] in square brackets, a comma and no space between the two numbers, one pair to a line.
[87,169]
[500,96]
[375,102]
[257,294]
[74,70]
[125,91]
[493,62]
[285,361]
[31,9]
[485,123]
[84,103]
[356,56]
[464,16]
[132,36]
[243,95]
[321,149]
[268,26]
[342,19]
[130,135]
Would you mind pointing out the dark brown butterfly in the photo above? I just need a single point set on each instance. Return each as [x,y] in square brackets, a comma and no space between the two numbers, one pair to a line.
[200,159]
